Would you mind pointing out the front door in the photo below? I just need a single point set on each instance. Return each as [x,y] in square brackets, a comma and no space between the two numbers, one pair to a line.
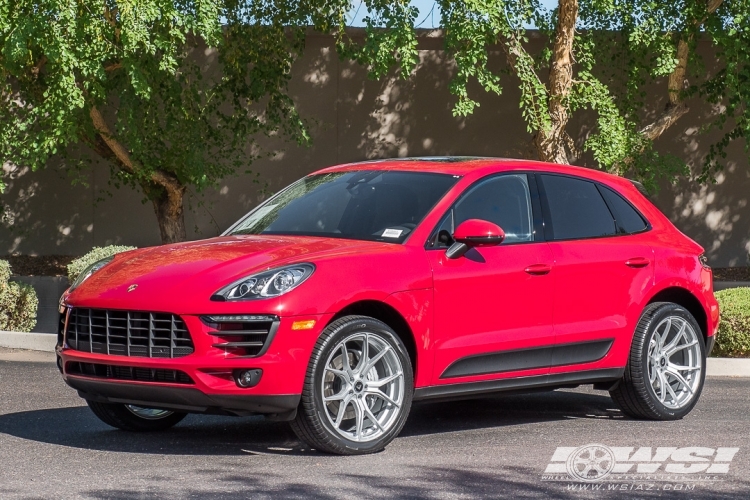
[493,305]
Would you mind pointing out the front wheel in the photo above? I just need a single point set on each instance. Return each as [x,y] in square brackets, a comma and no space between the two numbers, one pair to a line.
[358,388]
[666,369]
[135,418]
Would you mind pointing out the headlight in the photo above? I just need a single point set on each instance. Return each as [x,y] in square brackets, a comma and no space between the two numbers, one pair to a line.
[266,284]
[89,271]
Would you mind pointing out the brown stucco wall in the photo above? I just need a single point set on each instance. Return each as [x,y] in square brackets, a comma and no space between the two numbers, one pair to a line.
[356,119]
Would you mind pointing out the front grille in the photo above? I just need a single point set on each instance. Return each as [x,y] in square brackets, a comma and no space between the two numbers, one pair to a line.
[128,333]
[247,335]
[133,373]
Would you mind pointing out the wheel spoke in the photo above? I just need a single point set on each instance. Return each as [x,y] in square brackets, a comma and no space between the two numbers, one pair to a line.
[681,347]
[365,355]
[671,392]
[338,373]
[376,358]
[663,337]
[684,368]
[336,397]
[384,381]
[342,411]
[652,373]
[380,394]
[680,379]
[359,416]
[662,389]
[371,416]
[676,338]
[345,359]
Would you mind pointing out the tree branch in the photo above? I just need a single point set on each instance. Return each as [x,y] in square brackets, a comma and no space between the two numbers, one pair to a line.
[676,83]
[38,66]
[170,183]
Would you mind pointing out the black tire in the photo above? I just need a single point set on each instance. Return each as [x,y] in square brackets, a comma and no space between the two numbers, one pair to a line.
[634,395]
[312,424]
[117,415]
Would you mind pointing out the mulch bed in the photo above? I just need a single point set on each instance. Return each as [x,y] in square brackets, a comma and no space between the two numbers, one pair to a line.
[56,265]
[732,273]
[43,265]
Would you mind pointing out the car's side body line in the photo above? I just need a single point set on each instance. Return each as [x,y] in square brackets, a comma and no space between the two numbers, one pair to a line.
[525,359]
[521,384]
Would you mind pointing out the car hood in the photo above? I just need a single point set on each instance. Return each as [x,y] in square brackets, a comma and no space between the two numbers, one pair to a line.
[156,278]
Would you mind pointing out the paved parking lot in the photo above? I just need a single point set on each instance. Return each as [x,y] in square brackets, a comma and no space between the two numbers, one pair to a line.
[51,446]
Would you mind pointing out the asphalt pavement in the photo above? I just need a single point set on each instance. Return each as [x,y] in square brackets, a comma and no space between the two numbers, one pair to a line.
[52,446]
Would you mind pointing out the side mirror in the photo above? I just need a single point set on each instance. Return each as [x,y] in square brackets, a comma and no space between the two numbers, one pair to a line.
[474,233]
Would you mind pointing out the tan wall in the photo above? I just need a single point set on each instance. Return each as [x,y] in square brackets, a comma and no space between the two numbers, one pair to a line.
[357,119]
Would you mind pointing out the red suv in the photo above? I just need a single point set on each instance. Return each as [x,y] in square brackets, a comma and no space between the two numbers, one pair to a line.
[362,288]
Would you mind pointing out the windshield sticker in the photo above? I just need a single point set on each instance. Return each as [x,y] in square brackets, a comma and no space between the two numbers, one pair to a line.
[392,233]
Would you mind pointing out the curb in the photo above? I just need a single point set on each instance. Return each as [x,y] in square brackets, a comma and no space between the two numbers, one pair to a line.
[728,367]
[30,341]
[716,367]
[723,285]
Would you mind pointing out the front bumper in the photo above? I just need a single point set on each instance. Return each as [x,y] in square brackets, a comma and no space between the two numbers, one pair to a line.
[187,399]
[212,388]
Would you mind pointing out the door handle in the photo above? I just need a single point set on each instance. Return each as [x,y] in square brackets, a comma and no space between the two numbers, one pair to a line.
[637,262]
[538,269]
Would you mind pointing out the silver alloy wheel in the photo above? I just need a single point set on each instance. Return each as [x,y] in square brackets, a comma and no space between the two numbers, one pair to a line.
[148,413]
[674,362]
[363,387]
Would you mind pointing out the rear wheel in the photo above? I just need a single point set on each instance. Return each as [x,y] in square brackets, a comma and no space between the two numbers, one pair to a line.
[135,418]
[666,369]
[358,388]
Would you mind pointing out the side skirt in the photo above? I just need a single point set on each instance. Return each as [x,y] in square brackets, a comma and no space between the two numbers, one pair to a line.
[520,384]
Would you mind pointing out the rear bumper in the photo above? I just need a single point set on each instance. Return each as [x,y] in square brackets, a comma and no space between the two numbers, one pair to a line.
[188,399]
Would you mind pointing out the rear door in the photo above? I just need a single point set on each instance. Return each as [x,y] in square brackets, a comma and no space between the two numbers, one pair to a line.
[603,267]
[493,306]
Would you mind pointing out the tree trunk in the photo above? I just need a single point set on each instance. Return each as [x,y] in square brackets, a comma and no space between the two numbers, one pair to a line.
[551,142]
[170,216]
[162,188]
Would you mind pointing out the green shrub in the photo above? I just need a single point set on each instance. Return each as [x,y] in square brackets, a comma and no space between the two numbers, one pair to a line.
[97,253]
[18,303]
[733,337]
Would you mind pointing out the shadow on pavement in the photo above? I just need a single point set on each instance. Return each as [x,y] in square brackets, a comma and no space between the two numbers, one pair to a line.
[511,482]
[217,435]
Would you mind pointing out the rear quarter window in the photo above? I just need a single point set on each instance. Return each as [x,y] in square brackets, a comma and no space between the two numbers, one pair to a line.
[627,218]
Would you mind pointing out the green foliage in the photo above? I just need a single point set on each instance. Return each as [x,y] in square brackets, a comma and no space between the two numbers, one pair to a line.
[18,303]
[729,88]
[620,47]
[96,254]
[167,122]
[733,337]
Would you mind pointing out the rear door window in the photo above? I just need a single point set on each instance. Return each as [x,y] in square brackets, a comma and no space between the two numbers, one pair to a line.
[577,210]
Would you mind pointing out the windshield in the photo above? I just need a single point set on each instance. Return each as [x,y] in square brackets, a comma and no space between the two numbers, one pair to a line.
[363,205]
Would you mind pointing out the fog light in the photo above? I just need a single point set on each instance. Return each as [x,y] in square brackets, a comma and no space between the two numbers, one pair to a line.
[247,378]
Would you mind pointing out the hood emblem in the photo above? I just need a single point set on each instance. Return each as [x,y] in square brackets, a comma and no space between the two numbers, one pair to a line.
[132,287]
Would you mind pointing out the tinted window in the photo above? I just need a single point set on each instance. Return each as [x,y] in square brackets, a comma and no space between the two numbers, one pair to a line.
[576,208]
[627,219]
[503,200]
[367,205]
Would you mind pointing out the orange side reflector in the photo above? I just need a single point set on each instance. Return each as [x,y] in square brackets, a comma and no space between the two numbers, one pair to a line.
[303,325]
